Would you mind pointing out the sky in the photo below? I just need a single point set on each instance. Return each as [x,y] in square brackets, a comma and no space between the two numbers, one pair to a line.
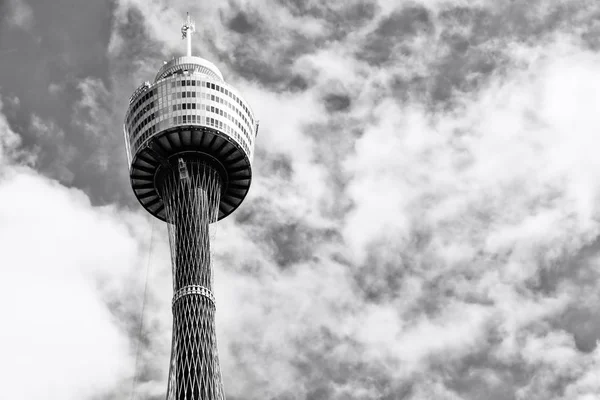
[423,221]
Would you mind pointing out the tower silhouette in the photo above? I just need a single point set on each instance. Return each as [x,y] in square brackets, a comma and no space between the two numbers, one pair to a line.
[189,138]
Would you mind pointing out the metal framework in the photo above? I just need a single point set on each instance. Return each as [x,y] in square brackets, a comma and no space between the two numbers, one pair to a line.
[191,193]
[189,138]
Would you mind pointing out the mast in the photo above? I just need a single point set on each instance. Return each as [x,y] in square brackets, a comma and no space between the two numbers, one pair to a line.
[188,28]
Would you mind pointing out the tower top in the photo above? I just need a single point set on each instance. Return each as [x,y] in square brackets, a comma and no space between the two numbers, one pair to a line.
[188,28]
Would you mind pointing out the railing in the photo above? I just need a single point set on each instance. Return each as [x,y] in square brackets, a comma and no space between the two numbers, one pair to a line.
[145,86]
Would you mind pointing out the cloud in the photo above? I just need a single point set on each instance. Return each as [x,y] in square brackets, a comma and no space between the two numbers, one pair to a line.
[66,283]
[423,206]
[20,14]
[423,220]
[51,136]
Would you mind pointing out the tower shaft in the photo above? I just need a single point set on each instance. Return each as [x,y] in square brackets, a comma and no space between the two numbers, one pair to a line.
[191,192]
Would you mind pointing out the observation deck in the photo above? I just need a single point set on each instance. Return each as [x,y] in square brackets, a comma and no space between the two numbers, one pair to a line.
[189,111]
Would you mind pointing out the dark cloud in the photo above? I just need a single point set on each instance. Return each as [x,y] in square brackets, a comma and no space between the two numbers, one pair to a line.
[385,43]
[277,164]
[336,102]
[245,60]
[334,143]
[241,23]
[331,365]
[268,53]
[584,324]
[296,83]
[66,44]
[288,241]
[340,20]
[474,44]
[388,263]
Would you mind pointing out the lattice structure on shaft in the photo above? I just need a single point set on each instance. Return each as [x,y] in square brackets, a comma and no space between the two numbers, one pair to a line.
[189,138]
[191,193]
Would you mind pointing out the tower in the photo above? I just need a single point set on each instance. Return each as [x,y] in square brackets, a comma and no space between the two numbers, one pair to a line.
[189,138]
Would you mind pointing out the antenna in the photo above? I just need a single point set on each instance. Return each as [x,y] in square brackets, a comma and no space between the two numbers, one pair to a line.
[188,28]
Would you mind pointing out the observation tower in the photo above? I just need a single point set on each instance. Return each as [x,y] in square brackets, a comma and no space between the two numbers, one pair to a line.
[189,138]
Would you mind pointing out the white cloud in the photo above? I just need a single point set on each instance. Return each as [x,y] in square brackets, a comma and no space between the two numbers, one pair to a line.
[63,262]
[456,215]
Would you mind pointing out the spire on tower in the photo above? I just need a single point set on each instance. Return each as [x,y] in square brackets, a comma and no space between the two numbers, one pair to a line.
[188,28]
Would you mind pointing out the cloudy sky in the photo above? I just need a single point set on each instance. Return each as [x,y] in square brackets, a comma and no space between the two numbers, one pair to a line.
[423,223]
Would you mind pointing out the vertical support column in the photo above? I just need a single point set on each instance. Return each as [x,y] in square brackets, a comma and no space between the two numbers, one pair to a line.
[188,28]
[191,193]
[189,44]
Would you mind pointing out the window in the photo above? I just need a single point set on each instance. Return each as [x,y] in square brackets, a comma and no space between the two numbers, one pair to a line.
[174,107]
[189,83]
[184,121]
[184,106]
[172,84]
[178,83]
[183,94]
